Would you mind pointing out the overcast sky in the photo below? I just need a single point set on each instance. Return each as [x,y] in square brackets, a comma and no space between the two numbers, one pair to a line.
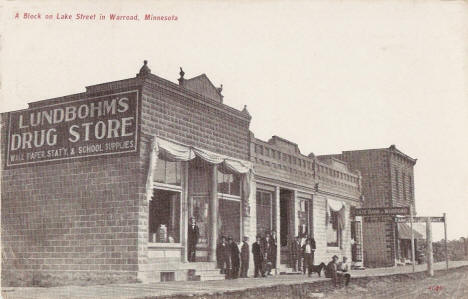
[329,76]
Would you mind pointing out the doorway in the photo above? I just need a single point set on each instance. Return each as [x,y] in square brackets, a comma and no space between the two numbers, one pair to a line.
[285,216]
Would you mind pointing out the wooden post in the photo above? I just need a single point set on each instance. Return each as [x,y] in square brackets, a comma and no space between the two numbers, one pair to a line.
[213,206]
[277,228]
[445,234]
[429,255]
[412,239]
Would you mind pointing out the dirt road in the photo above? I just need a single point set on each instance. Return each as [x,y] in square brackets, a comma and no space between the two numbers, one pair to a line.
[452,284]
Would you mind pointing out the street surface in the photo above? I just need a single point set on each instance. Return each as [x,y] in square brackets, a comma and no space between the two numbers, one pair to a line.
[366,283]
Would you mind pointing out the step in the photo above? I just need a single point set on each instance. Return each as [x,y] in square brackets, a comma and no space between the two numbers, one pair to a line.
[212,274]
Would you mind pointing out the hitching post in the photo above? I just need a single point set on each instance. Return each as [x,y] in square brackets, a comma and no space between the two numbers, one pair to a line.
[445,233]
[430,270]
[412,238]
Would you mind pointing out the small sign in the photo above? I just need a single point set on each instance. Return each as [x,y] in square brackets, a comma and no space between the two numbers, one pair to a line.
[381,211]
[419,219]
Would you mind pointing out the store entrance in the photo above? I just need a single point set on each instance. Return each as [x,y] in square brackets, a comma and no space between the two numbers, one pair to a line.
[285,216]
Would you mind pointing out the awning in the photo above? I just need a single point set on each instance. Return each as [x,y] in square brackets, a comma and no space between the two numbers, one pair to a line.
[335,205]
[177,152]
[404,232]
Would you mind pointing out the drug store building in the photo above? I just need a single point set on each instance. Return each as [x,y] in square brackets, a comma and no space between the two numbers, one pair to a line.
[100,186]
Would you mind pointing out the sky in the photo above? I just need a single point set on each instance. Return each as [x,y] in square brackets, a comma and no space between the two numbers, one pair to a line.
[327,75]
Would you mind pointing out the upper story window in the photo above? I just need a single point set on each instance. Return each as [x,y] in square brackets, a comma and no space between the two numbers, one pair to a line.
[228,183]
[397,185]
[167,172]
[410,188]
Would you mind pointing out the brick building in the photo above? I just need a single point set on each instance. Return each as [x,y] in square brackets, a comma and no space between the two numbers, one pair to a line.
[387,180]
[100,186]
[311,195]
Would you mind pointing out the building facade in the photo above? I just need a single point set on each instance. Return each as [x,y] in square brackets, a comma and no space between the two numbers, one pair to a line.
[314,198]
[387,181]
[100,186]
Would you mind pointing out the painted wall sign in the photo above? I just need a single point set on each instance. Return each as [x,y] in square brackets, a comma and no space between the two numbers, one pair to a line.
[97,126]
[381,211]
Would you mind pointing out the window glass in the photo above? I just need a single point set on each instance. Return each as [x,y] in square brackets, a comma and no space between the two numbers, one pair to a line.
[332,229]
[228,183]
[167,172]
[164,217]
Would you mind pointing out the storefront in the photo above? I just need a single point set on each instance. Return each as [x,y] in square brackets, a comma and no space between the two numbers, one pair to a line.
[188,182]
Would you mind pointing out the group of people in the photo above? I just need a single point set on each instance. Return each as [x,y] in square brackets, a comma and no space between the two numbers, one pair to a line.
[338,271]
[264,253]
[231,261]
[234,263]
[302,250]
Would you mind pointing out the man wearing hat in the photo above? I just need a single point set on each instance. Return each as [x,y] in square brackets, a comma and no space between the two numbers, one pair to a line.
[245,255]
[193,235]
[258,257]
[221,254]
[234,259]
[331,270]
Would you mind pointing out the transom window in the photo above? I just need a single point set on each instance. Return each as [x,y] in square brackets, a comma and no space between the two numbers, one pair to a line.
[167,172]
[228,183]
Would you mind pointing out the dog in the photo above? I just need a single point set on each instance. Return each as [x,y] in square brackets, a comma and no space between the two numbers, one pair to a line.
[318,269]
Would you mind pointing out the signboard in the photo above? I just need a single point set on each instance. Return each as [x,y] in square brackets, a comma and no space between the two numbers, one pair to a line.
[419,219]
[98,126]
[385,211]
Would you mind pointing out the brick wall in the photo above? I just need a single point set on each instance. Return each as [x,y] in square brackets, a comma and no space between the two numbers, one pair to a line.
[172,113]
[380,170]
[72,221]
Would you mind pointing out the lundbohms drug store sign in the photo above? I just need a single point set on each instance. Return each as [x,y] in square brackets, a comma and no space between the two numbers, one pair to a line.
[96,126]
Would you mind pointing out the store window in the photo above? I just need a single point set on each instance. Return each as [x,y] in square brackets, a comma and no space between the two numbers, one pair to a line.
[264,211]
[333,231]
[200,213]
[164,217]
[228,183]
[167,172]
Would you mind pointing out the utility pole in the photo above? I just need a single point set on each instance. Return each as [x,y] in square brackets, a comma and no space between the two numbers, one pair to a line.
[412,238]
[430,258]
[445,233]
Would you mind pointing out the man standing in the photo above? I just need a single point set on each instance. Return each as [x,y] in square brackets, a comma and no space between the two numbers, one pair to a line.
[308,251]
[193,235]
[258,257]
[234,259]
[221,255]
[273,246]
[296,254]
[245,255]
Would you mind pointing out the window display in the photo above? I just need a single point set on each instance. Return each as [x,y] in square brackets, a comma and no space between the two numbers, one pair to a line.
[164,217]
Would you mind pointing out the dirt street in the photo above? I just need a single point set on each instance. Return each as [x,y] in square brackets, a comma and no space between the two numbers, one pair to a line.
[452,284]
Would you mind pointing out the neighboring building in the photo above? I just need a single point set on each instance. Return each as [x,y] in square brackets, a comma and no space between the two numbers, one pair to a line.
[314,198]
[387,180]
[100,186]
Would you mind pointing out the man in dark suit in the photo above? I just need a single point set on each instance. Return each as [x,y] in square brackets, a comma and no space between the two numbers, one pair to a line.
[193,235]
[296,254]
[221,255]
[273,246]
[258,257]
[245,256]
[234,259]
